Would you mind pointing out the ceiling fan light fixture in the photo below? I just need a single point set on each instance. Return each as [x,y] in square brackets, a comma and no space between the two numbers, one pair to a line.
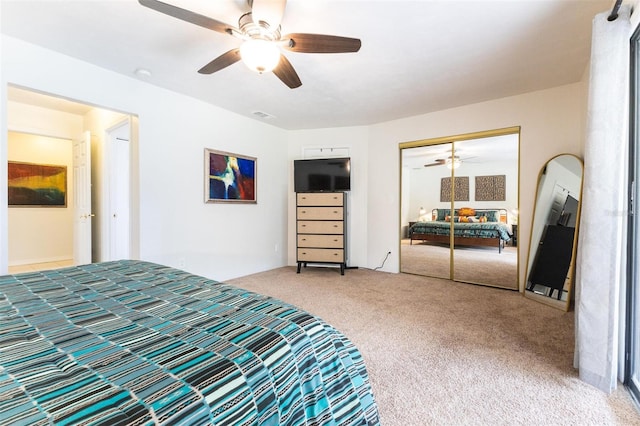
[260,55]
[453,163]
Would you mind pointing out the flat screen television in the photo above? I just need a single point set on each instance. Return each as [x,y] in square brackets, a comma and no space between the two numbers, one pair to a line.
[322,174]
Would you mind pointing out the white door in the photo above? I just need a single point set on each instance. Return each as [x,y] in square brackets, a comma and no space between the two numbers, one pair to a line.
[119,193]
[82,199]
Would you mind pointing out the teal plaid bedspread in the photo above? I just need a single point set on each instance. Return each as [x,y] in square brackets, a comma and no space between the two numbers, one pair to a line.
[133,342]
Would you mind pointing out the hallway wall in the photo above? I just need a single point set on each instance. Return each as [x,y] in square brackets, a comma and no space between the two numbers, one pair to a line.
[41,234]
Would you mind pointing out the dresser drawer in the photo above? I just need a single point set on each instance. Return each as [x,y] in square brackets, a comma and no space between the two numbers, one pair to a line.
[320,227]
[321,241]
[320,199]
[320,255]
[320,213]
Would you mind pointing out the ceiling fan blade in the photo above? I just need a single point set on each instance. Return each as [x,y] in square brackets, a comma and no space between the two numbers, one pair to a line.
[436,162]
[285,72]
[187,16]
[222,61]
[269,11]
[320,43]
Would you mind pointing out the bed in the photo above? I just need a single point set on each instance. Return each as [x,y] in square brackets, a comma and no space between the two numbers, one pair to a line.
[133,342]
[471,227]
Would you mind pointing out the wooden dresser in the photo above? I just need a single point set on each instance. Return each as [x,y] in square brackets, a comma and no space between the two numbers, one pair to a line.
[321,228]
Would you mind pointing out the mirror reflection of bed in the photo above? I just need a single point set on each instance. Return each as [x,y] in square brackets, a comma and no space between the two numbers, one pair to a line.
[478,175]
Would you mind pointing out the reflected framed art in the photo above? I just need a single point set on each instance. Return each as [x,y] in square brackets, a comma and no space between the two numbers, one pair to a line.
[229,178]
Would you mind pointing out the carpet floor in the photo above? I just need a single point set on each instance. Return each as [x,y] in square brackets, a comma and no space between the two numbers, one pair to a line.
[446,353]
[483,265]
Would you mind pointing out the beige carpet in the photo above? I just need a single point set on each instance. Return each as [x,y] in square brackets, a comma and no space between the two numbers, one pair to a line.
[446,353]
[483,265]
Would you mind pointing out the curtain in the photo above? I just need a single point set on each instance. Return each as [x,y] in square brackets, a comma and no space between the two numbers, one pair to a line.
[600,257]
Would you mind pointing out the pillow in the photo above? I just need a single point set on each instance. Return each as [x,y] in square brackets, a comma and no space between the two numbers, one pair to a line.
[466,211]
[442,214]
[464,219]
[482,219]
[473,219]
[492,215]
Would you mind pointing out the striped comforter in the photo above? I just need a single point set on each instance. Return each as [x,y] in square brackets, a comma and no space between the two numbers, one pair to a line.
[133,342]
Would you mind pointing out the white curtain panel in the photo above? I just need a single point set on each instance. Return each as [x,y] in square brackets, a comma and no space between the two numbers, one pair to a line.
[600,258]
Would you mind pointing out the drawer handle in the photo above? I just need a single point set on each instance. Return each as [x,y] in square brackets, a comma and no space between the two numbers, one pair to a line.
[335,226]
[335,211]
[304,239]
[336,240]
[335,254]
[303,211]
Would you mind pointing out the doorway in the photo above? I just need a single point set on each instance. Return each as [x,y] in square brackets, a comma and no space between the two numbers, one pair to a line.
[112,170]
[118,155]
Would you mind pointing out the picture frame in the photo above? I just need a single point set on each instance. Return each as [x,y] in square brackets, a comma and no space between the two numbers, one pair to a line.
[460,191]
[229,177]
[36,185]
[491,188]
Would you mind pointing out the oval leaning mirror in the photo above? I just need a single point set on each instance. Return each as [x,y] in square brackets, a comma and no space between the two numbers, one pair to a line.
[554,232]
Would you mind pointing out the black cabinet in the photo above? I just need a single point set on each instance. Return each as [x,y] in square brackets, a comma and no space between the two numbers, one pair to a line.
[553,259]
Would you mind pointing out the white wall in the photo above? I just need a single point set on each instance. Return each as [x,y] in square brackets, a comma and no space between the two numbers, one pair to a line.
[41,234]
[224,241]
[26,244]
[43,121]
[355,139]
[220,241]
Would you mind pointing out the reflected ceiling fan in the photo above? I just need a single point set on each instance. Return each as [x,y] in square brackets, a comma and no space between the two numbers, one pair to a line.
[259,29]
[452,162]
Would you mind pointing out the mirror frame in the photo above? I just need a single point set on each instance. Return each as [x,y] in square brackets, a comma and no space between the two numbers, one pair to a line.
[452,139]
[564,305]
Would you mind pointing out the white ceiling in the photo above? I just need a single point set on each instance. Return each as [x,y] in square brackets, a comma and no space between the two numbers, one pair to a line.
[489,149]
[417,56]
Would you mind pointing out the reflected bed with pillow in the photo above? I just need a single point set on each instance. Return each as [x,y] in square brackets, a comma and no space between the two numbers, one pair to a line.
[471,227]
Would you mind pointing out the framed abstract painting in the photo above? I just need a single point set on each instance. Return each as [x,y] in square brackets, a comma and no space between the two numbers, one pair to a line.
[36,185]
[229,178]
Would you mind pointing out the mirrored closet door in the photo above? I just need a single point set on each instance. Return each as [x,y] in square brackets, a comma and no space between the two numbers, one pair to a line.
[459,208]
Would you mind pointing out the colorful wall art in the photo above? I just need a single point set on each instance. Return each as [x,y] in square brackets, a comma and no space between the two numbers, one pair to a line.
[229,178]
[37,185]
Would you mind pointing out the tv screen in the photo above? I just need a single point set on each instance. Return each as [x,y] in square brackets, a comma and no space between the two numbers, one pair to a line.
[322,174]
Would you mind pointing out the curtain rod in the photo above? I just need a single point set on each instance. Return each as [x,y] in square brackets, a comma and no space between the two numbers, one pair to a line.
[614,12]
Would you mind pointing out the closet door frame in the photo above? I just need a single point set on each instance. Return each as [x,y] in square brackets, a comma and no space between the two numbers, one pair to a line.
[632,314]
[451,140]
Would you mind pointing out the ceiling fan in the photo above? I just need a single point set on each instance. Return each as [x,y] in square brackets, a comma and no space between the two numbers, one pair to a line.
[452,162]
[260,31]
